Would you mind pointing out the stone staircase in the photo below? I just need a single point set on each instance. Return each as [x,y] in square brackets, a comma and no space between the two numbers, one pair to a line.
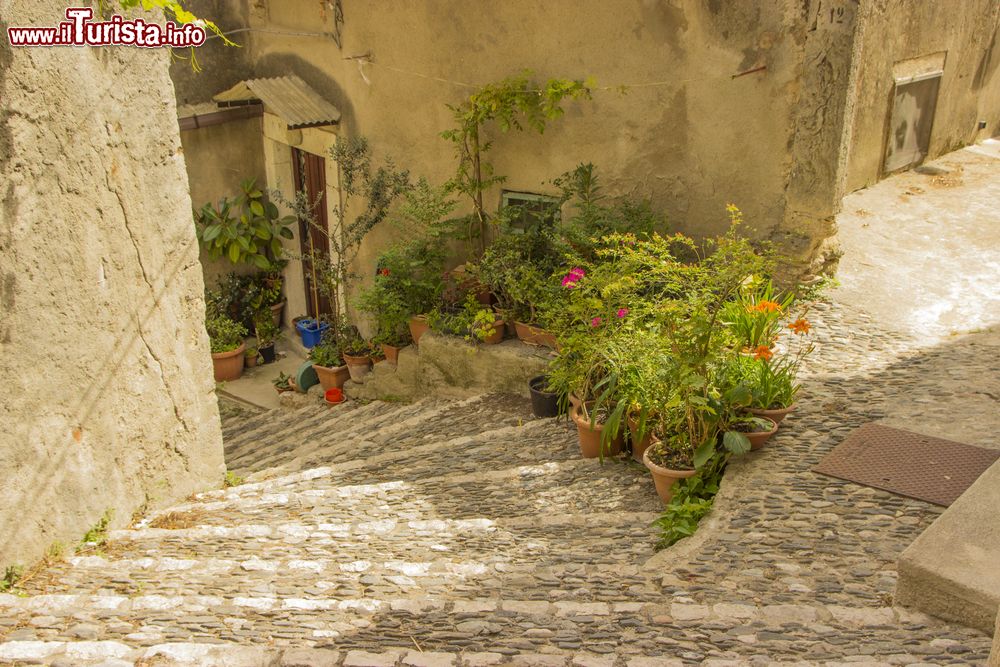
[425,534]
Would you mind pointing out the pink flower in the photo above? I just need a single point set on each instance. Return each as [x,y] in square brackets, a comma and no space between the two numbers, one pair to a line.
[622,312]
[596,322]
[578,272]
[569,282]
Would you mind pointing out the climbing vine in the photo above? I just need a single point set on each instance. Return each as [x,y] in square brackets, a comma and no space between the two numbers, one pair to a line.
[513,103]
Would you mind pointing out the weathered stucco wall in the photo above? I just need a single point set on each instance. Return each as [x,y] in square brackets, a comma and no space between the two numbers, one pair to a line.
[219,158]
[965,35]
[108,391]
[685,133]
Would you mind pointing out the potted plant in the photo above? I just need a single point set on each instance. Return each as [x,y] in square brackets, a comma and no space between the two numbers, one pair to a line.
[328,363]
[357,355]
[251,356]
[596,439]
[282,383]
[544,403]
[228,346]
[757,430]
[471,320]
[267,333]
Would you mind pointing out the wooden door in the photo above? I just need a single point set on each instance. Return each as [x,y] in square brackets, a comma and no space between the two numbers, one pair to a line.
[310,180]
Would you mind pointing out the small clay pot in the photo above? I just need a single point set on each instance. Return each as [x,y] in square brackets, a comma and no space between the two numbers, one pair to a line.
[774,415]
[496,335]
[418,326]
[229,365]
[358,366]
[332,378]
[590,437]
[391,353]
[758,439]
[664,478]
[250,359]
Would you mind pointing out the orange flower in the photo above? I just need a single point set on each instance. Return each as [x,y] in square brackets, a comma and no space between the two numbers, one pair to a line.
[800,326]
[763,352]
[767,307]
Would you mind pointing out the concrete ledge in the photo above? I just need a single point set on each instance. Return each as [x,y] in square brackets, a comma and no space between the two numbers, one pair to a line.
[994,660]
[450,367]
[952,570]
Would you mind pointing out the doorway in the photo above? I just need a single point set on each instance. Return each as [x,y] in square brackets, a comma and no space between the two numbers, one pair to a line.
[310,181]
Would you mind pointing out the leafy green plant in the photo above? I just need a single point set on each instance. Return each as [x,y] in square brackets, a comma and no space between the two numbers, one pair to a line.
[98,533]
[692,500]
[246,229]
[224,334]
[755,316]
[11,575]
[472,321]
[594,215]
[265,330]
[512,103]
[282,381]
[327,354]
[231,479]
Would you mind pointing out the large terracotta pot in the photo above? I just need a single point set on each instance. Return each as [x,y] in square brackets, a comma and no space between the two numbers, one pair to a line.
[332,378]
[229,365]
[775,415]
[639,445]
[418,326]
[758,439]
[532,335]
[664,478]
[590,437]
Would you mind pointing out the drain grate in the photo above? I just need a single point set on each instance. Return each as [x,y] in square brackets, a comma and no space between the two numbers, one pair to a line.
[909,464]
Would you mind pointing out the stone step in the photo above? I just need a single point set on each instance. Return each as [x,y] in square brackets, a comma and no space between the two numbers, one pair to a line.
[504,626]
[571,486]
[493,576]
[617,537]
[413,426]
[254,450]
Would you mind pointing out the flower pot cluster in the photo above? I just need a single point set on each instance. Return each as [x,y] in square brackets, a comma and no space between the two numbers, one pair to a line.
[671,350]
[240,305]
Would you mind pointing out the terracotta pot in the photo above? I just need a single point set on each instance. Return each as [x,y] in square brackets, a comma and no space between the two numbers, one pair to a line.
[358,366]
[574,402]
[590,438]
[418,326]
[332,378]
[250,359]
[276,313]
[496,336]
[293,387]
[757,440]
[664,478]
[774,415]
[229,365]
[391,353]
[639,445]
[532,335]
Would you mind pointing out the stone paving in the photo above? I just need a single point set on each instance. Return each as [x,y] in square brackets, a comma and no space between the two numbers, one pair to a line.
[468,533]
[446,533]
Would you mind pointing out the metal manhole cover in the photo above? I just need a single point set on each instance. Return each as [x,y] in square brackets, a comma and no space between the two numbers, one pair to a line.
[910,464]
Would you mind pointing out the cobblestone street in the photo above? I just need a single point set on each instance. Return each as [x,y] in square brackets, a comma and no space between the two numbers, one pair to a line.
[468,533]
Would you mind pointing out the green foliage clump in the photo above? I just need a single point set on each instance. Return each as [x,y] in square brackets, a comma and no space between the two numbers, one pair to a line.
[98,533]
[225,334]
[245,230]
[692,500]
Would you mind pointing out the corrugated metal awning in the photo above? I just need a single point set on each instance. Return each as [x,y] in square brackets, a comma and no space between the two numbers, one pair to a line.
[289,97]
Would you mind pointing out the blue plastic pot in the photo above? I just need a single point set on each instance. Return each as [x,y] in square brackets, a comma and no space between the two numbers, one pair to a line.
[311,331]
